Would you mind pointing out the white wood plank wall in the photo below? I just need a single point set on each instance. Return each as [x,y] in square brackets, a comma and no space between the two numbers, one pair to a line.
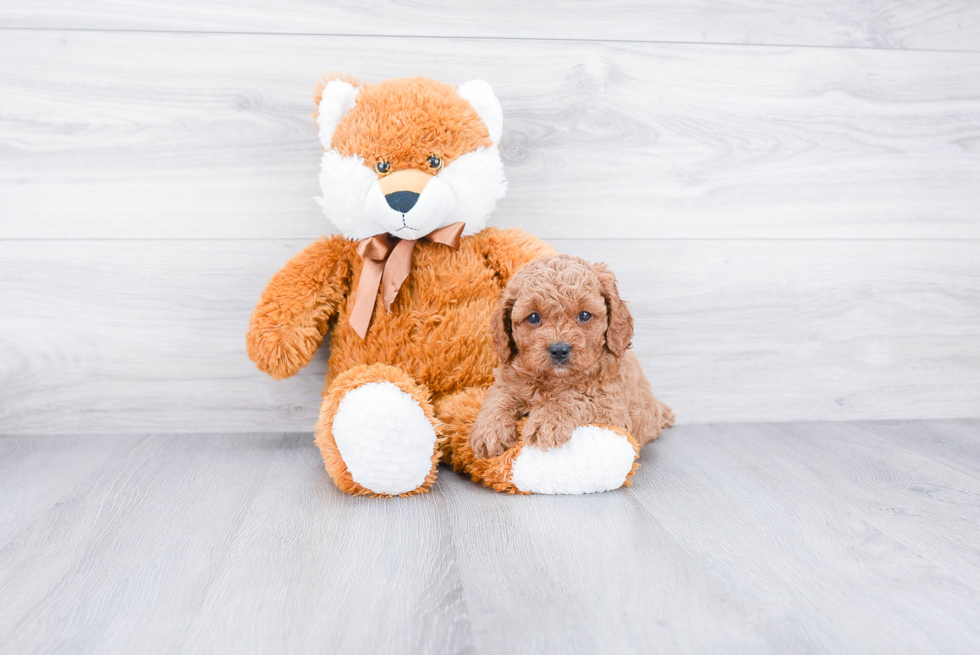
[797,227]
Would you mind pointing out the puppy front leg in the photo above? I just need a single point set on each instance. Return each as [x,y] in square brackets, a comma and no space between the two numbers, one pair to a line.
[495,428]
[551,424]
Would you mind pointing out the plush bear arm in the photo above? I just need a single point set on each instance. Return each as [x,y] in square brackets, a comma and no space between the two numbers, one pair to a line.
[294,312]
[507,251]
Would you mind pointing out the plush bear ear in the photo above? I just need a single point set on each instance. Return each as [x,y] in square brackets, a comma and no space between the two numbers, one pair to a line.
[338,98]
[479,94]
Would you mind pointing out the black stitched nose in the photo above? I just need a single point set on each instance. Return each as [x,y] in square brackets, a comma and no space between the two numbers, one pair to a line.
[402,201]
[560,351]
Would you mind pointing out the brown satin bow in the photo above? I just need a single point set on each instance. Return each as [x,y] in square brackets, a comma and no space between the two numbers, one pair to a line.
[387,261]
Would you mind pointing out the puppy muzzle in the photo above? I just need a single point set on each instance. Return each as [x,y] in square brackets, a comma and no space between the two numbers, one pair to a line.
[560,352]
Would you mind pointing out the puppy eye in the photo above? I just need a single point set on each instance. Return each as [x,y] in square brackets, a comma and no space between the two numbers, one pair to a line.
[383,168]
[435,163]
[534,318]
[584,317]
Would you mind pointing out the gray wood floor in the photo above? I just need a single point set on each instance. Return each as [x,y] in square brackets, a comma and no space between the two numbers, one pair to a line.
[806,537]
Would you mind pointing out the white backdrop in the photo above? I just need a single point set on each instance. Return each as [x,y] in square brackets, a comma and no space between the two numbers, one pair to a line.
[789,196]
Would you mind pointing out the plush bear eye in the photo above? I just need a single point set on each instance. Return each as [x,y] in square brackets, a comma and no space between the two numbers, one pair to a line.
[435,163]
[584,317]
[383,168]
[534,318]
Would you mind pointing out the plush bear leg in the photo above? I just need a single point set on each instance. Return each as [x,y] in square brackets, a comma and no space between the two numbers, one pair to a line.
[597,458]
[377,432]
[456,413]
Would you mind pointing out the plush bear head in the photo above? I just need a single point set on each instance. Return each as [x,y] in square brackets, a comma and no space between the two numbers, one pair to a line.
[408,156]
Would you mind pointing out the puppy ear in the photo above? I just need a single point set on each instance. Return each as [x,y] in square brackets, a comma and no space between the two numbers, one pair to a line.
[337,99]
[619,331]
[501,327]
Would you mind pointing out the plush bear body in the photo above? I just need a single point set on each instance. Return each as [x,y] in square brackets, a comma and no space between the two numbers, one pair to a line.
[410,173]
[433,344]
[437,326]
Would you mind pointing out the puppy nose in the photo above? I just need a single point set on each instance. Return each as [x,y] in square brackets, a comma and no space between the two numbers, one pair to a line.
[402,201]
[560,351]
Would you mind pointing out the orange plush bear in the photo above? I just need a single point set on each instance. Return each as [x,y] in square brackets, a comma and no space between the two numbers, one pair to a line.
[410,173]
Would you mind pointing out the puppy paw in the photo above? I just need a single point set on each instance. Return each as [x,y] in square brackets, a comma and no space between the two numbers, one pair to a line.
[492,435]
[544,431]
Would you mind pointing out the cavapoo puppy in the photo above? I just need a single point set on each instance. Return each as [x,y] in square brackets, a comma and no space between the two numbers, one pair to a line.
[563,336]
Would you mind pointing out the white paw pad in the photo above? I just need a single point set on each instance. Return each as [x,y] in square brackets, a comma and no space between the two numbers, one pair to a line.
[384,437]
[594,459]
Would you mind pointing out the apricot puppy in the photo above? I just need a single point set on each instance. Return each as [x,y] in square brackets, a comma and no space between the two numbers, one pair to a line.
[563,336]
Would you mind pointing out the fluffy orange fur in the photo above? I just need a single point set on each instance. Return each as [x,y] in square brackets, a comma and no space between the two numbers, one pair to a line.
[564,300]
[492,472]
[404,121]
[351,379]
[435,343]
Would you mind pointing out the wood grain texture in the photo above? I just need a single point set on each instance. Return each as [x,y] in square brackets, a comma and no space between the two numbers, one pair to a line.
[820,537]
[897,531]
[954,444]
[586,574]
[124,135]
[192,543]
[936,24]
[149,335]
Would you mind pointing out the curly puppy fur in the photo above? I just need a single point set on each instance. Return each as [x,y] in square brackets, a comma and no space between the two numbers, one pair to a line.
[569,365]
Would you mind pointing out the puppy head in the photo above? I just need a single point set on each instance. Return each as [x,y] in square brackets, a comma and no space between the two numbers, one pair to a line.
[560,315]
[408,156]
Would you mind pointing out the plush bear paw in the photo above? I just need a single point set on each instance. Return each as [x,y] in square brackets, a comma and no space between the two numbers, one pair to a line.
[596,458]
[385,439]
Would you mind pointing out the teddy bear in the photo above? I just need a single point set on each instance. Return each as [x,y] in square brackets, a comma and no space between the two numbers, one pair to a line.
[410,173]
